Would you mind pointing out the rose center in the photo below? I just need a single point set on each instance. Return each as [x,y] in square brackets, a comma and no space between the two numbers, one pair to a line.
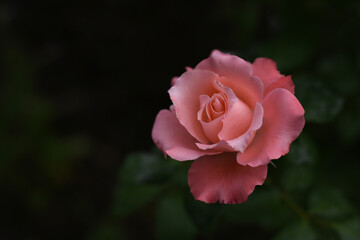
[212,108]
[218,104]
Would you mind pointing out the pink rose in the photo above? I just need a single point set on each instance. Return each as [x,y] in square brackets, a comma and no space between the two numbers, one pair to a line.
[232,117]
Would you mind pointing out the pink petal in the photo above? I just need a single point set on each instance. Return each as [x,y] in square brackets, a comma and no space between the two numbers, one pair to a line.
[283,82]
[218,106]
[240,143]
[221,146]
[224,64]
[237,119]
[173,80]
[282,123]
[237,73]
[219,98]
[221,178]
[212,129]
[173,139]
[202,113]
[185,96]
[266,70]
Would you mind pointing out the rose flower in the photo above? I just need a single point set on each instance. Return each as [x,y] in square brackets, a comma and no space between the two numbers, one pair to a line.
[232,118]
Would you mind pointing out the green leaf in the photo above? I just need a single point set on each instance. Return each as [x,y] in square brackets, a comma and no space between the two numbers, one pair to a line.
[349,230]
[203,214]
[297,178]
[129,198]
[58,155]
[303,151]
[338,66]
[172,220]
[348,124]
[264,207]
[147,168]
[143,176]
[179,178]
[106,231]
[287,51]
[297,173]
[320,104]
[298,231]
[329,203]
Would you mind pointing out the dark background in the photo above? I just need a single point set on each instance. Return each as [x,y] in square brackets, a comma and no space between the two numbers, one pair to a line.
[82,81]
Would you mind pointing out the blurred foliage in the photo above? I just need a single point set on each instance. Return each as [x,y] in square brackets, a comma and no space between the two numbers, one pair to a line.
[66,167]
[300,231]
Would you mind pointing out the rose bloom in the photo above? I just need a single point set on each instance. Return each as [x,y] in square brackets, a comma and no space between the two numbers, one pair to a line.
[232,118]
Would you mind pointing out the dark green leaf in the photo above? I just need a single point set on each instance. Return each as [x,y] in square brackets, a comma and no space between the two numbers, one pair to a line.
[129,198]
[297,173]
[302,151]
[348,125]
[264,207]
[340,74]
[106,231]
[149,167]
[298,231]
[320,104]
[297,178]
[172,220]
[349,230]
[288,52]
[329,203]
[203,214]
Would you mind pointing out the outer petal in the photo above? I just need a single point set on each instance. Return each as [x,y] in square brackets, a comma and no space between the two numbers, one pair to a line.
[173,139]
[225,64]
[185,96]
[266,70]
[173,80]
[221,178]
[283,82]
[237,73]
[282,123]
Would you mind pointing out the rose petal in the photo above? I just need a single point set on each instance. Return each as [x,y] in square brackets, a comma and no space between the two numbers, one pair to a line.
[212,113]
[212,129]
[237,73]
[173,139]
[202,114]
[282,123]
[173,80]
[221,146]
[224,63]
[237,119]
[221,178]
[240,143]
[283,82]
[185,96]
[218,106]
[266,70]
